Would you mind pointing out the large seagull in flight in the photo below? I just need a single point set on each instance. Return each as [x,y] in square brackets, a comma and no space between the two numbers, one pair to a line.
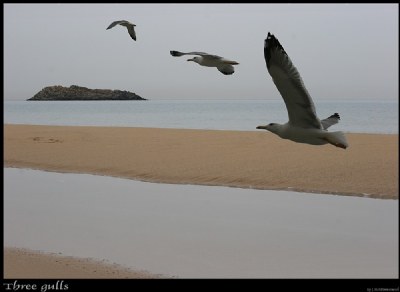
[304,126]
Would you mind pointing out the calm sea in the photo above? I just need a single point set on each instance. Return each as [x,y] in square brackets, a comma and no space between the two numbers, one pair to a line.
[356,116]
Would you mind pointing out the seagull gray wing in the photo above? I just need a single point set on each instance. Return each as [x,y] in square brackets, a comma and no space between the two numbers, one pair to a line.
[226,69]
[131,30]
[332,120]
[115,23]
[204,55]
[300,107]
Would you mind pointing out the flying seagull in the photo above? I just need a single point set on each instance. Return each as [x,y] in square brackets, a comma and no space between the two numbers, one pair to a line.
[304,126]
[223,65]
[127,24]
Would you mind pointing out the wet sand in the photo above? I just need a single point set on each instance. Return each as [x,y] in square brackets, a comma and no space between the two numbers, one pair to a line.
[246,159]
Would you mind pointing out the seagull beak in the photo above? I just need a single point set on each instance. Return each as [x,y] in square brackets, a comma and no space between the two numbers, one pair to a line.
[190,59]
[262,127]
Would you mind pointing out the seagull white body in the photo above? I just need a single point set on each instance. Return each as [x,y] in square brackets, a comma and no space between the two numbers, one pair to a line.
[223,65]
[130,26]
[303,126]
[311,136]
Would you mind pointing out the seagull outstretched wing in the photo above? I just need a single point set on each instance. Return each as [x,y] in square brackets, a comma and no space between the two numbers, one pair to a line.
[300,107]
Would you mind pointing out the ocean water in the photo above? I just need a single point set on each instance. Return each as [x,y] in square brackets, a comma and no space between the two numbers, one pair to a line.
[357,116]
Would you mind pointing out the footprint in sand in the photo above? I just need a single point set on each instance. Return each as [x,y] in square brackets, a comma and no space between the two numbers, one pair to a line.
[46,140]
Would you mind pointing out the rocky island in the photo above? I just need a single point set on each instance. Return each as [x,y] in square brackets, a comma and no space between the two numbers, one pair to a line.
[75,92]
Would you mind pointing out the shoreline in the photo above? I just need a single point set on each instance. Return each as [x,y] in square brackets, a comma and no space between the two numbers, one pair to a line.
[244,159]
[288,189]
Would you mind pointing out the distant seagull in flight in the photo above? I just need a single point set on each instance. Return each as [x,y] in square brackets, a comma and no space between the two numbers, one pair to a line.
[304,126]
[127,24]
[223,65]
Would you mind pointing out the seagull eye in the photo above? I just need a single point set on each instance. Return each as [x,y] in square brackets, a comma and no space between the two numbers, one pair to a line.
[271,124]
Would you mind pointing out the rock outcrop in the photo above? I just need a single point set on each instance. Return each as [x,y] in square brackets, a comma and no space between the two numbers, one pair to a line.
[75,92]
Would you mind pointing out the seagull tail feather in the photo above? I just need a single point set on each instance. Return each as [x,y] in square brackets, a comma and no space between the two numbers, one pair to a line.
[337,139]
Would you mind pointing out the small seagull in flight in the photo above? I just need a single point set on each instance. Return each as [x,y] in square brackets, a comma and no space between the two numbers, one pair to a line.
[128,25]
[223,65]
[304,126]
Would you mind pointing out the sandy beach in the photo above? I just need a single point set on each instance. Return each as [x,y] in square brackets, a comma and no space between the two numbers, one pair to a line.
[209,157]
[369,167]
[29,264]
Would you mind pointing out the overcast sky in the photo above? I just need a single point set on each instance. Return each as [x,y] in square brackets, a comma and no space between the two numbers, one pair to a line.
[342,51]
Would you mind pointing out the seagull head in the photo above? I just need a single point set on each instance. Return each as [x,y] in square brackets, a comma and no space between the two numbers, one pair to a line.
[195,59]
[272,127]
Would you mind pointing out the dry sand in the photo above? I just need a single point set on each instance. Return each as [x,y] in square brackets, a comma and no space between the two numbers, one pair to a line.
[209,157]
[29,264]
